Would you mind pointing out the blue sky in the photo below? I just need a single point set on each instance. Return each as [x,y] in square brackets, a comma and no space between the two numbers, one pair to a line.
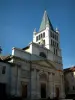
[18,18]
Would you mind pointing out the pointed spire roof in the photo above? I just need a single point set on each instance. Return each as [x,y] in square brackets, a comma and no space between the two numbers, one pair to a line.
[45,21]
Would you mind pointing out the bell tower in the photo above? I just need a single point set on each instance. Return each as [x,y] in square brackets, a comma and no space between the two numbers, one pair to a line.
[49,36]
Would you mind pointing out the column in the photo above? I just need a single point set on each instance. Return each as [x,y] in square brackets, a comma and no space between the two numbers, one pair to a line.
[53,77]
[18,84]
[33,83]
[51,88]
[62,94]
[48,84]
[13,80]
[38,85]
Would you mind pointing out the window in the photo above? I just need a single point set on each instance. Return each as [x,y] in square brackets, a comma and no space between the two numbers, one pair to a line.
[73,87]
[3,70]
[55,37]
[44,42]
[57,44]
[43,34]
[51,41]
[54,43]
[54,50]
[51,34]
[42,54]
[37,38]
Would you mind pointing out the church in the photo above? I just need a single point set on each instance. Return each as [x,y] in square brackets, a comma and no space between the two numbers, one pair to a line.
[36,71]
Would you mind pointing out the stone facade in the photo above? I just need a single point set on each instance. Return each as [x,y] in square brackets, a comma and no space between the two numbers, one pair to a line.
[5,77]
[36,71]
[69,75]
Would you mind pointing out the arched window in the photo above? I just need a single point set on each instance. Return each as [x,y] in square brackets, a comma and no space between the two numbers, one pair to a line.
[42,54]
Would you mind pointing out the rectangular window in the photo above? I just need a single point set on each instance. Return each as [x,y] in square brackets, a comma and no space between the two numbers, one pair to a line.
[51,41]
[43,34]
[57,45]
[57,38]
[54,43]
[3,69]
[54,50]
[73,87]
[37,38]
[51,34]
[43,42]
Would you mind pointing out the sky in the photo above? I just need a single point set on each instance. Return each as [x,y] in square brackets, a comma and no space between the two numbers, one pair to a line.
[18,19]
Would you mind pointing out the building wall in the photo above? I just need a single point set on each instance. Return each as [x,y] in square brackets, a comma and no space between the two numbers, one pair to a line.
[48,39]
[70,82]
[53,80]
[6,77]
[32,78]
[36,49]
[20,75]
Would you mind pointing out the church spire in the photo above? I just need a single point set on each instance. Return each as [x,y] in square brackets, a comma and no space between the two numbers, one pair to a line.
[45,22]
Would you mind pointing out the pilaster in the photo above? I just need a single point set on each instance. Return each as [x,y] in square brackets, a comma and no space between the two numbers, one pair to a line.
[38,85]
[51,85]
[33,83]
[62,93]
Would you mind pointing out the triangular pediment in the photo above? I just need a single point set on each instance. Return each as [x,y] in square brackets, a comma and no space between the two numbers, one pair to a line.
[45,63]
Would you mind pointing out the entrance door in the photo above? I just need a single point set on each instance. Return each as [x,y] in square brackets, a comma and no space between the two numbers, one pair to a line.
[43,90]
[2,90]
[57,92]
[24,91]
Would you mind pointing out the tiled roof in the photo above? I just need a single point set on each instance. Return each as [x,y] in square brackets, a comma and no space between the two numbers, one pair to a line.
[71,69]
[4,57]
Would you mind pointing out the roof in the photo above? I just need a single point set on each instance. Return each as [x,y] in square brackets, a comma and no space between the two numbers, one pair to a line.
[4,57]
[25,48]
[71,69]
[45,21]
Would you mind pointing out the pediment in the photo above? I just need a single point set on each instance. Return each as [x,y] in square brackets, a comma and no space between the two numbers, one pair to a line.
[46,63]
